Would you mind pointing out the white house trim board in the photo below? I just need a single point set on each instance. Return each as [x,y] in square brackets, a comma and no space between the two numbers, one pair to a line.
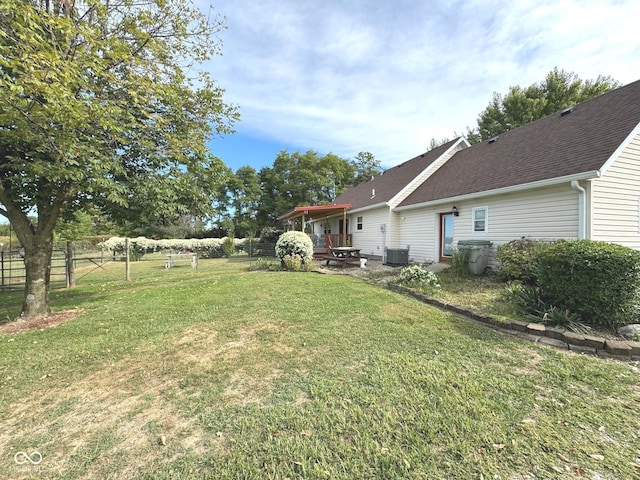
[427,172]
[499,191]
[614,156]
[368,207]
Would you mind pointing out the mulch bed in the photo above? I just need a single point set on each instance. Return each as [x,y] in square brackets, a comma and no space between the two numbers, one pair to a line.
[55,318]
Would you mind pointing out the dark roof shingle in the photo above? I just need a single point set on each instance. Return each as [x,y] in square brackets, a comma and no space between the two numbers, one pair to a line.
[392,181]
[555,146]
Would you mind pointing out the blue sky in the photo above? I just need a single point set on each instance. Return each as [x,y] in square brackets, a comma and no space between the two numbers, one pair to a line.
[387,77]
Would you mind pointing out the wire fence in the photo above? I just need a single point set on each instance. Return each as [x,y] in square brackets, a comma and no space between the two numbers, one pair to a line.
[69,266]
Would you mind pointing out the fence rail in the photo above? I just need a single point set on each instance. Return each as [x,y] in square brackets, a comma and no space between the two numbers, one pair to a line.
[12,271]
[67,267]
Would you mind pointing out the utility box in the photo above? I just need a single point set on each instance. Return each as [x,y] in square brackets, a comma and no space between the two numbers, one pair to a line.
[479,251]
[397,256]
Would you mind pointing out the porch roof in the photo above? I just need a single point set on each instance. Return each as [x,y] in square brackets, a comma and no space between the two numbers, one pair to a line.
[315,212]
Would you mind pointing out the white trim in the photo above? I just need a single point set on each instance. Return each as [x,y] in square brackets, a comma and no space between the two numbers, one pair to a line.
[486,220]
[614,156]
[435,165]
[582,212]
[639,215]
[368,207]
[498,191]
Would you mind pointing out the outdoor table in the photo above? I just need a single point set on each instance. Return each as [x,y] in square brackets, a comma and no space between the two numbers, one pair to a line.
[343,255]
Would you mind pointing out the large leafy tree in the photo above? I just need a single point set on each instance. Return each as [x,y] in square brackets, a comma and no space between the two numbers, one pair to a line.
[559,90]
[243,196]
[101,104]
[301,179]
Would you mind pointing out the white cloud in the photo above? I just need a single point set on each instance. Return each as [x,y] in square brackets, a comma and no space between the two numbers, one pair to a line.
[386,77]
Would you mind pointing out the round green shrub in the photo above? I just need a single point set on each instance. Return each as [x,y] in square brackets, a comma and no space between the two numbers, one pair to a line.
[519,259]
[295,243]
[598,281]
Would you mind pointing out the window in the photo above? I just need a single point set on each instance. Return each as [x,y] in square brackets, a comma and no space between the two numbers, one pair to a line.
[480,217]
[359,223]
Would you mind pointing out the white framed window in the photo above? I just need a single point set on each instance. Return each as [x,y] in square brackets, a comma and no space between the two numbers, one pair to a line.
[480,219]
[358,223]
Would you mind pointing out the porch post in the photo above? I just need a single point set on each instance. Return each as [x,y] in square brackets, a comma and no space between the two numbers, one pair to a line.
[302,226]
[344,227]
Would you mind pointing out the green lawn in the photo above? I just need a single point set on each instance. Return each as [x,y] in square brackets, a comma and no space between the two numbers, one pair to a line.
[223,373]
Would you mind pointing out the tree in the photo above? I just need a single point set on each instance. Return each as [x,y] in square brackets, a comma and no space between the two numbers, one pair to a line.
[557,91]
[301,179]
[101,104]
[244,192]
[366,167]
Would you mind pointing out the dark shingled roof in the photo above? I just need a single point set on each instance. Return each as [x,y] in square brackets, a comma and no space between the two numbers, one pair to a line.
[392,181]
[555,146]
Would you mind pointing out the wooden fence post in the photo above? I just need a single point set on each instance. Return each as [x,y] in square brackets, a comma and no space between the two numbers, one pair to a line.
[71,268]
[127,267]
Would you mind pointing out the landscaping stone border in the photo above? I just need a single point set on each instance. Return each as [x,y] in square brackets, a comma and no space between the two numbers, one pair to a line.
[537,332]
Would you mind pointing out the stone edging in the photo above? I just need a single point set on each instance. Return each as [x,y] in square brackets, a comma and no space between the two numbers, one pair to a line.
[538,333]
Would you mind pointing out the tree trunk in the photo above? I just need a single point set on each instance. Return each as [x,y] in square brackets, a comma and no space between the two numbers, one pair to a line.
[37,262]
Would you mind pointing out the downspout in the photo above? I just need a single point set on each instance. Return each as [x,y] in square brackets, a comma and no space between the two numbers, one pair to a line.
[582,211]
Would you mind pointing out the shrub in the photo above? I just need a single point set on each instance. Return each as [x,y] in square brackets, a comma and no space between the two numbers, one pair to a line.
[460,261]
[264,264]
[294,263]
[228,246]
[557,317]
[519,259]
[598,281]
[419,277]
[297,243]
[528,300]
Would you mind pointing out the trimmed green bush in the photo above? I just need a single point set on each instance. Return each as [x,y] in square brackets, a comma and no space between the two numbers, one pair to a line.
[519,259]
[295,243]
[598,281]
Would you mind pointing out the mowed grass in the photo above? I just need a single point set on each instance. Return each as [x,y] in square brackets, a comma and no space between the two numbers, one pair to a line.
[223,373]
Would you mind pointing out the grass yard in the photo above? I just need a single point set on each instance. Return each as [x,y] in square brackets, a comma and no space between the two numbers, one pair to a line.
[222,373]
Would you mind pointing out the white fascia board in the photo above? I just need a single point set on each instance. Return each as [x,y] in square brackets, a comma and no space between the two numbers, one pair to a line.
[412,184]
[368,207]
[619,150]
[356,210]
[499,191]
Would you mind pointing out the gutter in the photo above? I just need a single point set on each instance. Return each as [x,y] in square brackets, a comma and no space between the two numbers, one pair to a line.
[368,207]
[499,191]
[582,211]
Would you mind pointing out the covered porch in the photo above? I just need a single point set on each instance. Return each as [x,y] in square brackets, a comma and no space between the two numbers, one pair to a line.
[297,218]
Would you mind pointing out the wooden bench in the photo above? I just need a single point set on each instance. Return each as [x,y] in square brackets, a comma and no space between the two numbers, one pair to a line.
[181,257]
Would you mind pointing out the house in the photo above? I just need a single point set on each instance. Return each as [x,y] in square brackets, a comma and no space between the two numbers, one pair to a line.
[573,174]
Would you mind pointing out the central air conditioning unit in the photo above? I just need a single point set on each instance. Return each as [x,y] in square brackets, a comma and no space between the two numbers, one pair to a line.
[397,256]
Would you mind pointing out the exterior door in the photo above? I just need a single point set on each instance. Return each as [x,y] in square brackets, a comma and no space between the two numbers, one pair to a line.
[446,237]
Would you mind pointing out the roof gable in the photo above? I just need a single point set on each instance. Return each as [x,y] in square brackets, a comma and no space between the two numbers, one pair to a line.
[576,141]
[384,187]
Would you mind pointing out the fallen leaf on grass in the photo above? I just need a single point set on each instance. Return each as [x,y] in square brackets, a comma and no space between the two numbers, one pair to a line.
[563,458]
[499,446]
[597,456]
